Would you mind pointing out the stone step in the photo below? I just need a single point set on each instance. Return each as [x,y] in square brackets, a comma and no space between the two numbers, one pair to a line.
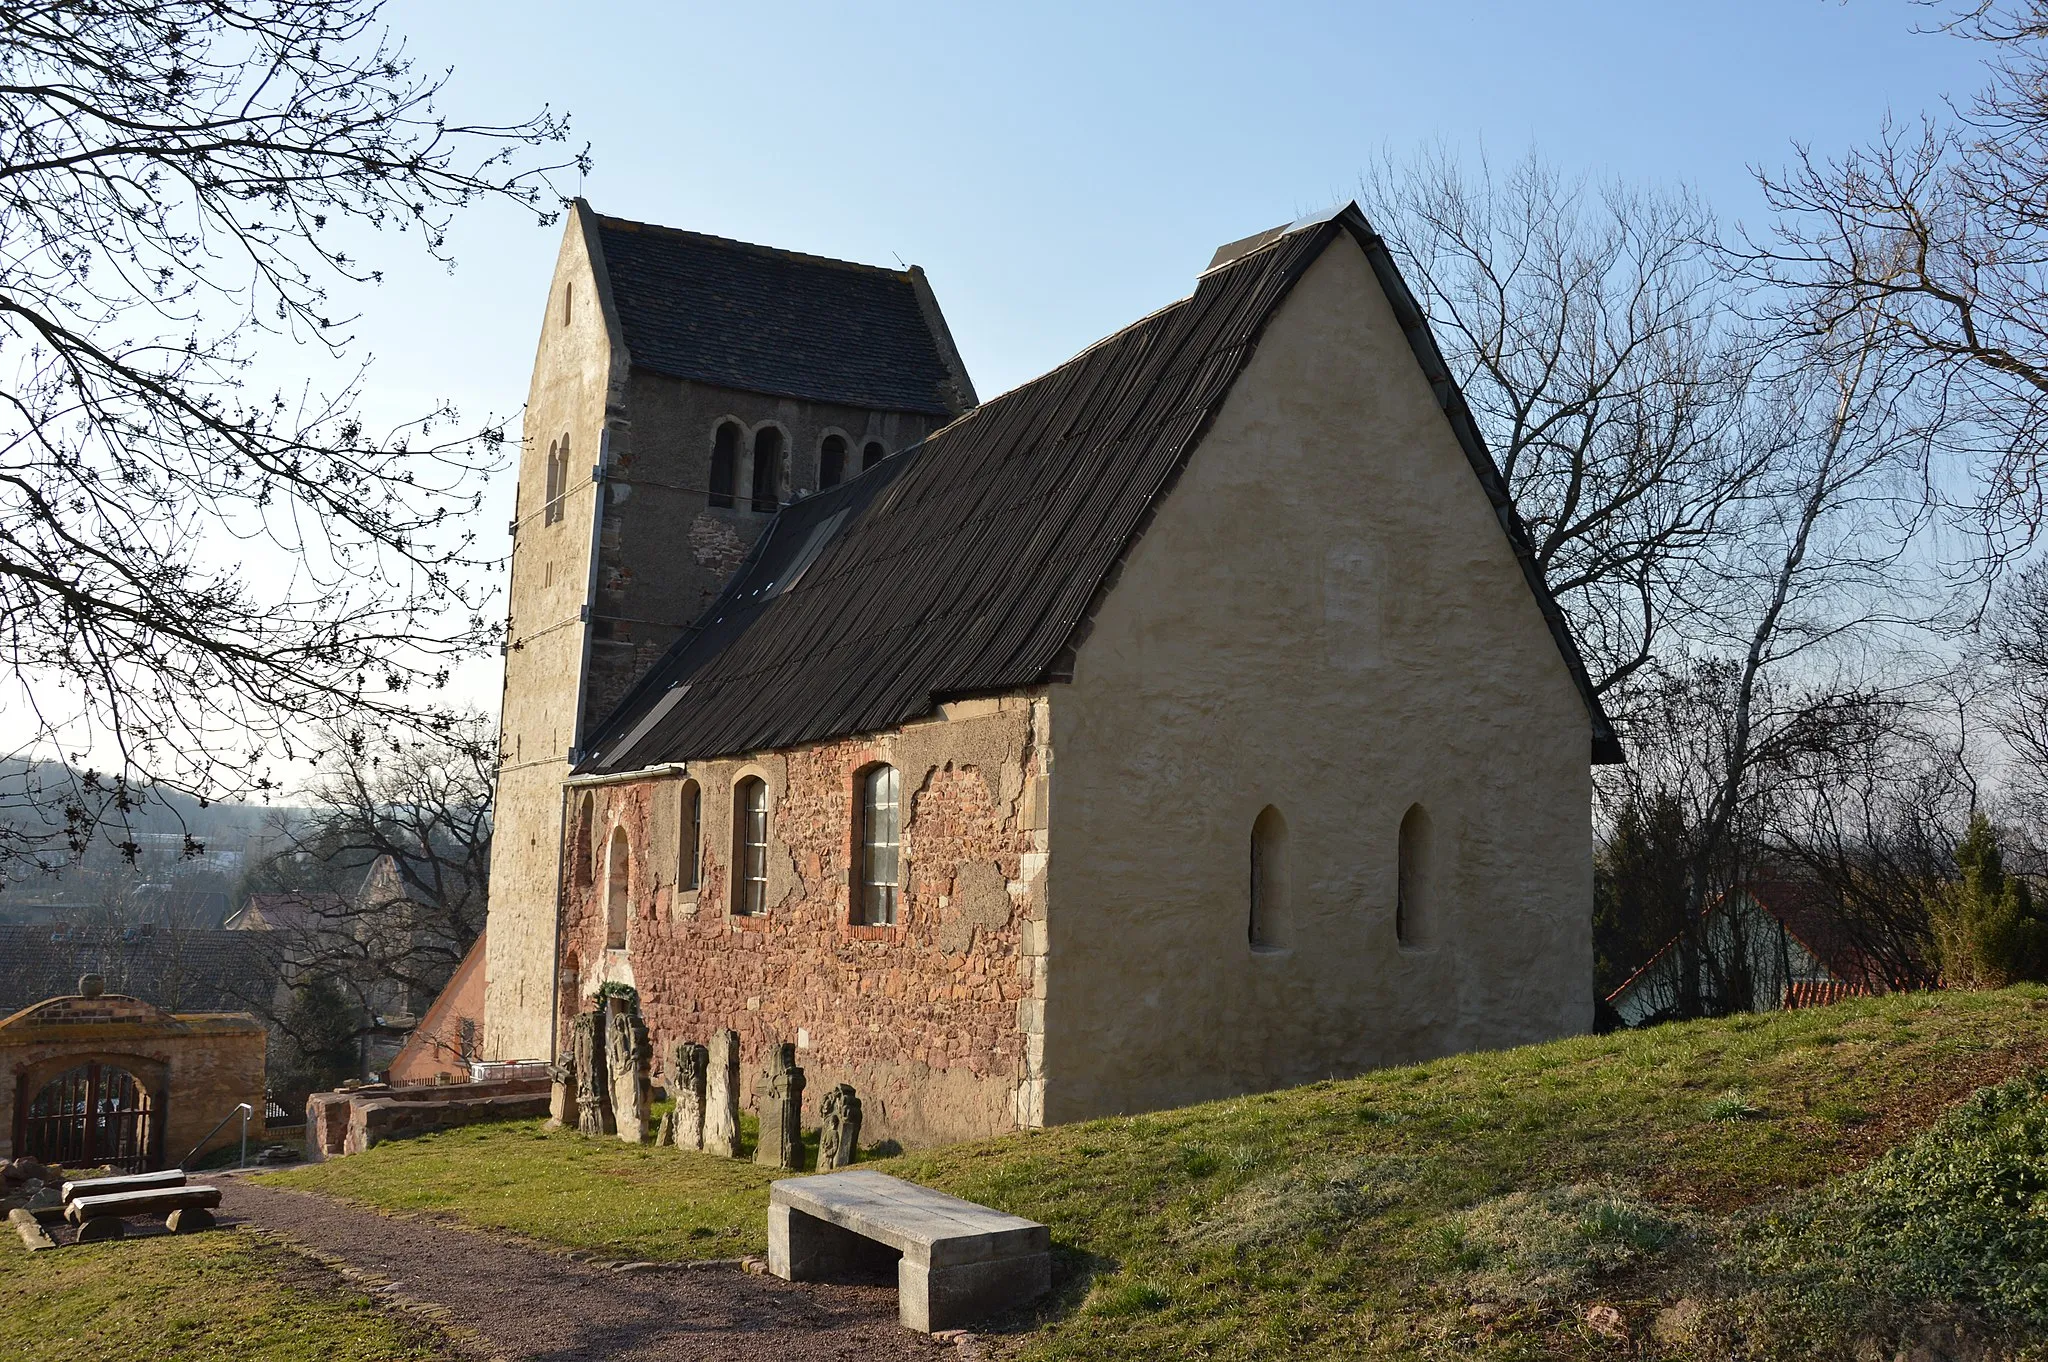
[124,1182]
[148,1201]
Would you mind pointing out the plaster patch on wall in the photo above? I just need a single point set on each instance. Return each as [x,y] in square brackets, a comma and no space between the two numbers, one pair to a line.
[981,898]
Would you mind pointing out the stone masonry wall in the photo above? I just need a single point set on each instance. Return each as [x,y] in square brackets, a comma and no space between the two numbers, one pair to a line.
[933,1019]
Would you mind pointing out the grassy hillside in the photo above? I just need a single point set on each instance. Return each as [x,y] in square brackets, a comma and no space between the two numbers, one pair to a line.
[1753,1187]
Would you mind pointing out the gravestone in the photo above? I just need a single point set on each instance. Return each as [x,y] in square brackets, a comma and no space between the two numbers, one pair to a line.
[780,1096]
[688,1063]
[562,1090]
[722,1096]
[627,1056]
[593,1092]
[840,1138]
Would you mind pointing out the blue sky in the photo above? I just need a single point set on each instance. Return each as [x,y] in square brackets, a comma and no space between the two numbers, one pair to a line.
[1059,170]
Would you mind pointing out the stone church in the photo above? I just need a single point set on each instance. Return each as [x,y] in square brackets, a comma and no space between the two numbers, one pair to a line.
[1191,720]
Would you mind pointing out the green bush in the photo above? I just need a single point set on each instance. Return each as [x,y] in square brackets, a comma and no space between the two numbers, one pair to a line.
[1987,933]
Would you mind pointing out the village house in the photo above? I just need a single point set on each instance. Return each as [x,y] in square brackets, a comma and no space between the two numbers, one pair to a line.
[1189,721]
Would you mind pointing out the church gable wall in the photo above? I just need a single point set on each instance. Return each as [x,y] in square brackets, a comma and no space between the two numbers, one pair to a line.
[934,1019]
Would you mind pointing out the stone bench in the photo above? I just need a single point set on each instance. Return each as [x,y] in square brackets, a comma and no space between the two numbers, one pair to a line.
[184,1209]
[955,1262]
[124,1182]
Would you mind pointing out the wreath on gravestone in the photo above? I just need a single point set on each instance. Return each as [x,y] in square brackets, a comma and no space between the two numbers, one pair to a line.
[625,993]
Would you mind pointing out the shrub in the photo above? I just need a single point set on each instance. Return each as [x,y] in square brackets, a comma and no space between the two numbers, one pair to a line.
[1987,933]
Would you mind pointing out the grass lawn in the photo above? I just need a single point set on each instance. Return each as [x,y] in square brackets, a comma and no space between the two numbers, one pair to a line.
[1477,1206]
[192,1298]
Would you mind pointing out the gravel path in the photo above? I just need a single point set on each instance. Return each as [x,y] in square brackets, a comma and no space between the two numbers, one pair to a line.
[536,1307]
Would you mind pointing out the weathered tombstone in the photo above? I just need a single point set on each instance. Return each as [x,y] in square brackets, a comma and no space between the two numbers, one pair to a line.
[688,1063]
[627,1055]
[780,1096]
[722,1096]
[562,1091]
[840,1137]
[593,1095]
[665,1133]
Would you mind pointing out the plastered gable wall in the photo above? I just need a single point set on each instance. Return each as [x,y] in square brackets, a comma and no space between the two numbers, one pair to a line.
[577,376]
[935,1019]
[1325,617]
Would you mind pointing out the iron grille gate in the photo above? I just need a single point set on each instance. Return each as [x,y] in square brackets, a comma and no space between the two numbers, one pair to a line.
[91,1115]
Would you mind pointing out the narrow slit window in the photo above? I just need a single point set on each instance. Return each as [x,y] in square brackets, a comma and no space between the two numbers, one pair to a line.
[617,884]
[725,462]
[767,468]
[1414,881]
[750,859]
[872,455]
[831,461]
[1271,926]
[568,301]
[689,836]
[881,848]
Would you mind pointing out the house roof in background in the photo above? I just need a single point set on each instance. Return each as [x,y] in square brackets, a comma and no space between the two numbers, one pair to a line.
[772,321]
[970,564]
[179,971]
[291,911]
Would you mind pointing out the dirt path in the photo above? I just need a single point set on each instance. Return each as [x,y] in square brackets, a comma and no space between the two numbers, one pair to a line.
[536,1307]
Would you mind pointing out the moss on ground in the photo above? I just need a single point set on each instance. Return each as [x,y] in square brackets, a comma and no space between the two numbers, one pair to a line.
[221,1297]
[1480,1205]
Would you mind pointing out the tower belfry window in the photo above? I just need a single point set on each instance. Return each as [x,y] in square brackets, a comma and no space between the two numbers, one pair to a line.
[767,468]
[831,461]
[725,463]
[558,481]
[872,455]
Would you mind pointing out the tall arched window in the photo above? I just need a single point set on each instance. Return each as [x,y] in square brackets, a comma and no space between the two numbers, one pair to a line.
[750,846]
[558,480]
[725,462]
[1414,881]
[582,866]
[880,833]
[831,461]
[767,468]
[1272,915]
[618,874]
[690,836]
[872,455]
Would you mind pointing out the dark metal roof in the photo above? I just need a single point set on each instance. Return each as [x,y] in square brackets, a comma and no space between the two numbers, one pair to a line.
[772,321]
[178,970]
[970,564]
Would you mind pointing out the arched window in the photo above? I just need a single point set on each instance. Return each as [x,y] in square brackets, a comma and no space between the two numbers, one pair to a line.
[558,480]
[618,873]
[750,846]
[1414,881]
[690,836]
[1272,916]
[725,462]
[831,461]
[872,455]
[767,468]
[880,832]
[582,867]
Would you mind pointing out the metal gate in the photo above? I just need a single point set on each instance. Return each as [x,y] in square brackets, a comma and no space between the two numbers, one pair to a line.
[91,1115]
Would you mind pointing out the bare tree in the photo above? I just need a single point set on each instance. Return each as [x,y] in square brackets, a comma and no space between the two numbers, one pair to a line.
[193,567]
[1590,329]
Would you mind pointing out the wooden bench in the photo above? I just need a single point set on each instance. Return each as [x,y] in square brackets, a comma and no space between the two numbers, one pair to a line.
[955,1262]
[184,1209]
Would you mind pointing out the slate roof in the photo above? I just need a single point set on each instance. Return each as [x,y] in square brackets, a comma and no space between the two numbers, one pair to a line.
[969,564]
[772,321]
[179,971]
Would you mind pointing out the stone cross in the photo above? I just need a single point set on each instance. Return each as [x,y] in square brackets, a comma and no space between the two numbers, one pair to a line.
[562,1090]
[688,1062]
[840,1138]
[722,1095]
[780,1096]
[627,1055]
[593,1091]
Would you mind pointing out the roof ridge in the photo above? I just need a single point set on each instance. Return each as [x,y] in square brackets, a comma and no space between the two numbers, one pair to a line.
[773,252]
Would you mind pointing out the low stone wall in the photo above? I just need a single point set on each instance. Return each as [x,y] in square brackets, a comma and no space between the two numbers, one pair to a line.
[355,1119]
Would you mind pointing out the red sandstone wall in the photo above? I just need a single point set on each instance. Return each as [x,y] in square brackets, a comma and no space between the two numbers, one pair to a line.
[923,1017]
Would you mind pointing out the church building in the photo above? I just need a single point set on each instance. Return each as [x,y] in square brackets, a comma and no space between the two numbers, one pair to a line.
[1189,721]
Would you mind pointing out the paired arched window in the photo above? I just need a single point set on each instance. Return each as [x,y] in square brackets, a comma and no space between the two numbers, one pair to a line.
[831,461]
[750,846]
[767,468]
[558,480]
[618,873]
[582,867]
[1272,917]
[880,832]
[1414,876]
[690,837]
[725,462]
[872,454]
